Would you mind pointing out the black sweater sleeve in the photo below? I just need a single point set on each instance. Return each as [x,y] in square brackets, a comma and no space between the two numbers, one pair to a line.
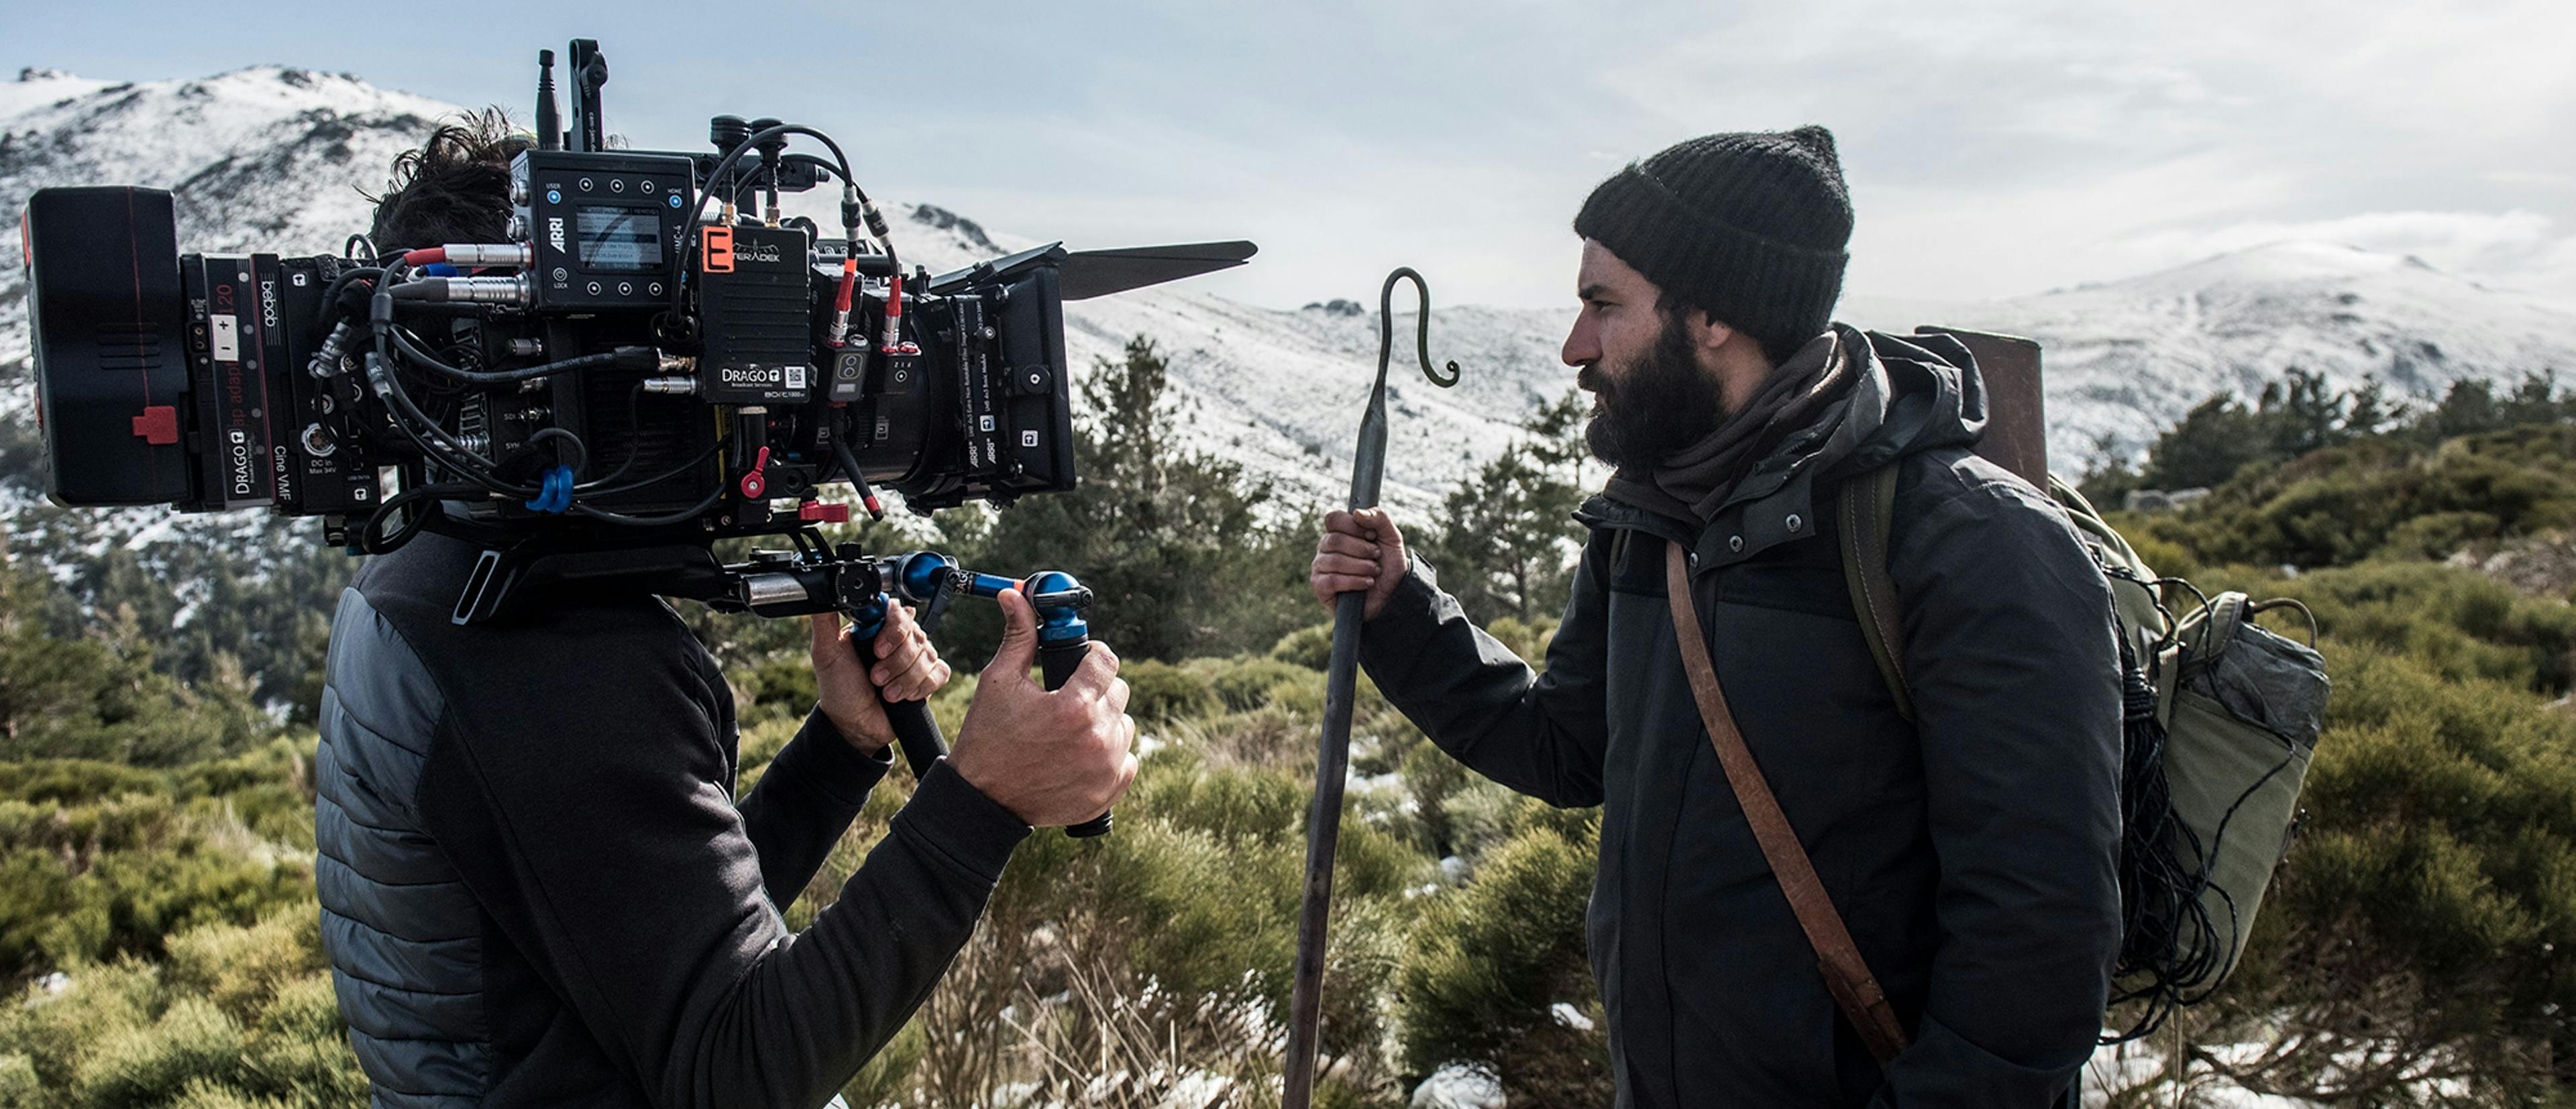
[1540,734]
[805,800]
[594,825]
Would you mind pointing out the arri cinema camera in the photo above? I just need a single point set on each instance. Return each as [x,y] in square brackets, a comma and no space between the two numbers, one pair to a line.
[655,358]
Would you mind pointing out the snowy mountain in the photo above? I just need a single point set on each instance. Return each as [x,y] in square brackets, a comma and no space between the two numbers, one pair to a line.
[279,159]
[2126,358]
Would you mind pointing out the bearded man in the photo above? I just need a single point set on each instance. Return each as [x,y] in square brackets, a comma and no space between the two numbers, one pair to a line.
[1967,847]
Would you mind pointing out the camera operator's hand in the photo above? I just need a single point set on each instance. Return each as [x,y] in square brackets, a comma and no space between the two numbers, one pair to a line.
[856,679]
[1052,758]
[1360,550]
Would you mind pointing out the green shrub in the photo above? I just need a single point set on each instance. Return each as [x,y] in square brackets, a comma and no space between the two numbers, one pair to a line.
[141,1067]
[1249,683]
[1310,647]
[1488,962]
[780,685]
[298,1053]
[20,1086]
[89,882]
[1158,692]
[1231,802]
[1526,638]
[2386,496]
[243,970]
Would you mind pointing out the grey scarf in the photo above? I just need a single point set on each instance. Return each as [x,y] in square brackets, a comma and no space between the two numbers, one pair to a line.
[1693,482]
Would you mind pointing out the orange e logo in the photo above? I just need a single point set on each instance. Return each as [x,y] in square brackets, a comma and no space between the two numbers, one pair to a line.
[715,249]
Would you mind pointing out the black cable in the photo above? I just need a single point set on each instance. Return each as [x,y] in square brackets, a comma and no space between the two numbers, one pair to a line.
[455,455]
[634,440]
[580,450]
[689,249]
[331,292]
[681,517]
[367,540]
[523,373]
[666,475]
[849,462]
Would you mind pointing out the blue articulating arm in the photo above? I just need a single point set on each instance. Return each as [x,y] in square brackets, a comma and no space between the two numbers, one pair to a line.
[1064,637]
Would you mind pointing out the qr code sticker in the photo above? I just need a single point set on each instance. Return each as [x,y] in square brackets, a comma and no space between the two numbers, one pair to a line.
[796,376]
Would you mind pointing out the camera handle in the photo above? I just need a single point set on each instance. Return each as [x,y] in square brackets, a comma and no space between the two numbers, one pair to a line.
[914,728]
[929,579]
[813,578]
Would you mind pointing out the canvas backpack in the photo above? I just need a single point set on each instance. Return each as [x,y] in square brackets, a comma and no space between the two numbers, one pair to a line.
[2221,718]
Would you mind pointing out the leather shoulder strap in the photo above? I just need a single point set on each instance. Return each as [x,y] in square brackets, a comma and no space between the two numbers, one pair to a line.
[1865,509]
[1847,976]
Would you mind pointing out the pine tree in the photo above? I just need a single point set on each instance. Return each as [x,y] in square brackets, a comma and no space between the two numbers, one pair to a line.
[1505,539]
[2212,442]
[1171,541]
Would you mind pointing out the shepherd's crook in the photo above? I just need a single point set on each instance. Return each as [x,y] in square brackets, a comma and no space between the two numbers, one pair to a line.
[1333,757]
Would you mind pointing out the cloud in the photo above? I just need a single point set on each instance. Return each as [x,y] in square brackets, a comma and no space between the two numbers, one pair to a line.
[2031,144]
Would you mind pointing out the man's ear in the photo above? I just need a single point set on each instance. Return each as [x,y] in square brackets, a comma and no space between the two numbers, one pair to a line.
[1707,332]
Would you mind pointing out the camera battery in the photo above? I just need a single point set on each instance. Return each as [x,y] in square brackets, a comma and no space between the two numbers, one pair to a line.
[755,308]
[228,329]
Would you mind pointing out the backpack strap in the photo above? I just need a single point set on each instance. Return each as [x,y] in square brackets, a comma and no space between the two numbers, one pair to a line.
[1866,510]
[1847,975]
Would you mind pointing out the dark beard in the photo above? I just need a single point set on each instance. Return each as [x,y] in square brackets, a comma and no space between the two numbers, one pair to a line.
[1662,404]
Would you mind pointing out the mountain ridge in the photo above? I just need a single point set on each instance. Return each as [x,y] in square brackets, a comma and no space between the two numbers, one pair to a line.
[280,158]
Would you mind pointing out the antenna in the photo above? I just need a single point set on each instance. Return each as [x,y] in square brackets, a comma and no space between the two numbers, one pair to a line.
[549,128]
[589,72]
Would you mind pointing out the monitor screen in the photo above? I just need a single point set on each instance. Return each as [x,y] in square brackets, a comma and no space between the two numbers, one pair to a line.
[620,238]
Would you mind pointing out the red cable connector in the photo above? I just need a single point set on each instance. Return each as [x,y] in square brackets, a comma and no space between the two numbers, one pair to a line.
[841,302]
[894,343]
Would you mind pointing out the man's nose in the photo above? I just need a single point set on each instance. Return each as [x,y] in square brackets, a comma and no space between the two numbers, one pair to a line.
[1581,345]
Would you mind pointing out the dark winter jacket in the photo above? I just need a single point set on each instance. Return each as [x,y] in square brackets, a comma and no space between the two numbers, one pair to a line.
[537,887]
[1971,854]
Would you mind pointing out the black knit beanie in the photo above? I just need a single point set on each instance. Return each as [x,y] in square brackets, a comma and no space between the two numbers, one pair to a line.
[1749,227]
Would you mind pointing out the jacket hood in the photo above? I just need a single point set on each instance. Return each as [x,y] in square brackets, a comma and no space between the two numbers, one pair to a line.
[1912,393]
[1909,394]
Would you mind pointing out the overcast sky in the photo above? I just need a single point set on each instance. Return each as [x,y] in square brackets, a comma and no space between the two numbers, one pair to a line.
[1992,150]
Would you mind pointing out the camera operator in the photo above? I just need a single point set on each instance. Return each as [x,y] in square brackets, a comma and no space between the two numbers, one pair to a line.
[537,884]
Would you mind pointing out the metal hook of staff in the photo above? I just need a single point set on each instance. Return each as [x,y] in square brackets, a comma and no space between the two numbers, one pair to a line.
[1421,331]
[1368,462]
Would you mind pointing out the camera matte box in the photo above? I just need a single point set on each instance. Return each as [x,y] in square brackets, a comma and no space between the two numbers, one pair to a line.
[111,374]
